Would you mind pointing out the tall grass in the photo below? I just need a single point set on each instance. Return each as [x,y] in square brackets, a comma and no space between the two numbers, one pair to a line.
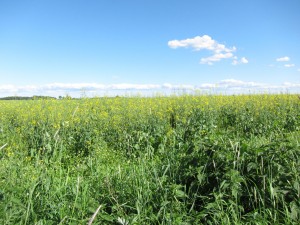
[164,160]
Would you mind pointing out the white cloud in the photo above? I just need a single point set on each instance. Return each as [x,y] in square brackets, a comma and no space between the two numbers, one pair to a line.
[283,59]
[244,60]
[291,85]
[132,86]
[289,65]
[232,83]
[95,89]
[167,85]
[174,87]
[215,58]
[235,62]
[72,86]
[198,43]
[238,86]
[9,88]
[205,42]
[206,86]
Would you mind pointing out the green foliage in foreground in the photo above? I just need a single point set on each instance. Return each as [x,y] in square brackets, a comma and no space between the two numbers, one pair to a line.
[176,160]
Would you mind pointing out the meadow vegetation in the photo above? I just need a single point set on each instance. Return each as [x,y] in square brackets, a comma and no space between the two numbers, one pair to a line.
[209,159]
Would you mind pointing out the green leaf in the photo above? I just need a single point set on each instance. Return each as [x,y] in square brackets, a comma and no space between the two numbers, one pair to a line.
[107,217]
[180,194]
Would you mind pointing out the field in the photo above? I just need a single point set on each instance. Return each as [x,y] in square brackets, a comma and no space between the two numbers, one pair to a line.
[208,159]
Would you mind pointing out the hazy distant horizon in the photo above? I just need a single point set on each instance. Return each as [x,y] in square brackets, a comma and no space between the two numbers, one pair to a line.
[100,90]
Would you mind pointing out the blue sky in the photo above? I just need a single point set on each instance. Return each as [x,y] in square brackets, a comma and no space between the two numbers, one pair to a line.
[105,47]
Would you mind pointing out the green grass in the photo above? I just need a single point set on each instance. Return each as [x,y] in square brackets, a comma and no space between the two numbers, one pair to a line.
[177,160]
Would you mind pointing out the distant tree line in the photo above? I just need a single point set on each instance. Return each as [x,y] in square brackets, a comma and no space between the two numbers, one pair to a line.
[35,97]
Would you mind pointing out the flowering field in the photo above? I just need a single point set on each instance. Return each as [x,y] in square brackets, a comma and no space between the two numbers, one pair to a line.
[208,159]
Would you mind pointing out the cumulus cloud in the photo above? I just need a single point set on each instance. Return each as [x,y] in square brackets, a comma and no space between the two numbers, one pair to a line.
[291,85]
[216,57]
[94,89]
[289,65]
[205,42]
[9,88]
[238,83]
[72,86]
[198,43]
[283,59]
[95,86]
[242,61]
[232,86]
